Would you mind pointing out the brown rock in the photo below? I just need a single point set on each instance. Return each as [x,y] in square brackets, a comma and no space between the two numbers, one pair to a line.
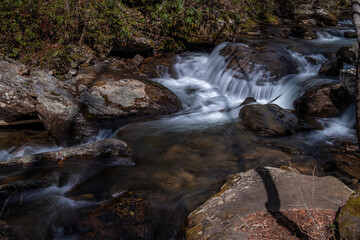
[323,101]
[273,61]
[272,120]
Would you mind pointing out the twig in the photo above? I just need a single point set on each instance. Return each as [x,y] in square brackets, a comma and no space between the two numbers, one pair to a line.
[247,225]
[7,200]
[307,209]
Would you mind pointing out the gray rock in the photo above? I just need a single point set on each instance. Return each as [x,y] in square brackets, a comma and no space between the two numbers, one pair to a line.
[15,93]
[105,150]
[348,81]
[263,189]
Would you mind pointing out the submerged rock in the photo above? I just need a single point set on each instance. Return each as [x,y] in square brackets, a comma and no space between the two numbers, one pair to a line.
[273,62]
[246,198]
[105,150]
[272,120]
[323,101]
[126,216]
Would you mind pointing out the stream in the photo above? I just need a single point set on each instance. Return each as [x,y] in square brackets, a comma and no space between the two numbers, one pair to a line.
[181,159]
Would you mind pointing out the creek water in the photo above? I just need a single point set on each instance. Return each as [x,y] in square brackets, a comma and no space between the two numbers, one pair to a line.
[182,159]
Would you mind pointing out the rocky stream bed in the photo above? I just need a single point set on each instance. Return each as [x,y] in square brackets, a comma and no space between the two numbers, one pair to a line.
[249,138]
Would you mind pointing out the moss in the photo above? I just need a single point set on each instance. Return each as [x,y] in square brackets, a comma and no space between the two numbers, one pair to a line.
[193,233]
[349,219]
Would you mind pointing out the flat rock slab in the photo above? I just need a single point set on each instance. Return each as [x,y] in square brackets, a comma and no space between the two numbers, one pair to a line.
[110,149]
[263,189]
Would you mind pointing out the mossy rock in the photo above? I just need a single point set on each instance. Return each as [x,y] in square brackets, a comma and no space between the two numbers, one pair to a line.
[349,219]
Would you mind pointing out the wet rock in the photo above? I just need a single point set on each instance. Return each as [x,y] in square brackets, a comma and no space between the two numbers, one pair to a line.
[350,34]
[111,149]
[154,67]
[303,32]
[331,67]
[264,189]
[323,101]
[13,186]
[127,216]
[348,81]
[248,100]
[349,219]
[273,62]
[349,53]
[272,120]
[137,45]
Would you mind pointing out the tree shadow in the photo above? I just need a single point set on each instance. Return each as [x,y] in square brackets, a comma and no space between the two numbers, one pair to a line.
[273,205]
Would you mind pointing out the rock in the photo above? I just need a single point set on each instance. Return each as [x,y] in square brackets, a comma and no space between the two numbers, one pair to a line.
[135,62]
[272,120]
[111,149]
[350,34]
[310,11]
[309,22]
[323,101]
[323,16]
[349,53]
[349,219]
[127,215]
[115,94]
[348,81]
[15,94]
[101,97]
[248,100]
[273,62]
[21,183]
[62,118]
[271,194]
[331,67]
[303,32]
[154,67]
[137,45]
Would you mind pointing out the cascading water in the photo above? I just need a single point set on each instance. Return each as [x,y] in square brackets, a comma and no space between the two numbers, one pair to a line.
[180,159]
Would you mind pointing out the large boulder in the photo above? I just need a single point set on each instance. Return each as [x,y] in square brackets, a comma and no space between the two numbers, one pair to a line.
[348,81]
[323,101]
[105,150]
[104,97]
[15,93]
[272,120]
[247,61]
[349,53]
[265,202]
